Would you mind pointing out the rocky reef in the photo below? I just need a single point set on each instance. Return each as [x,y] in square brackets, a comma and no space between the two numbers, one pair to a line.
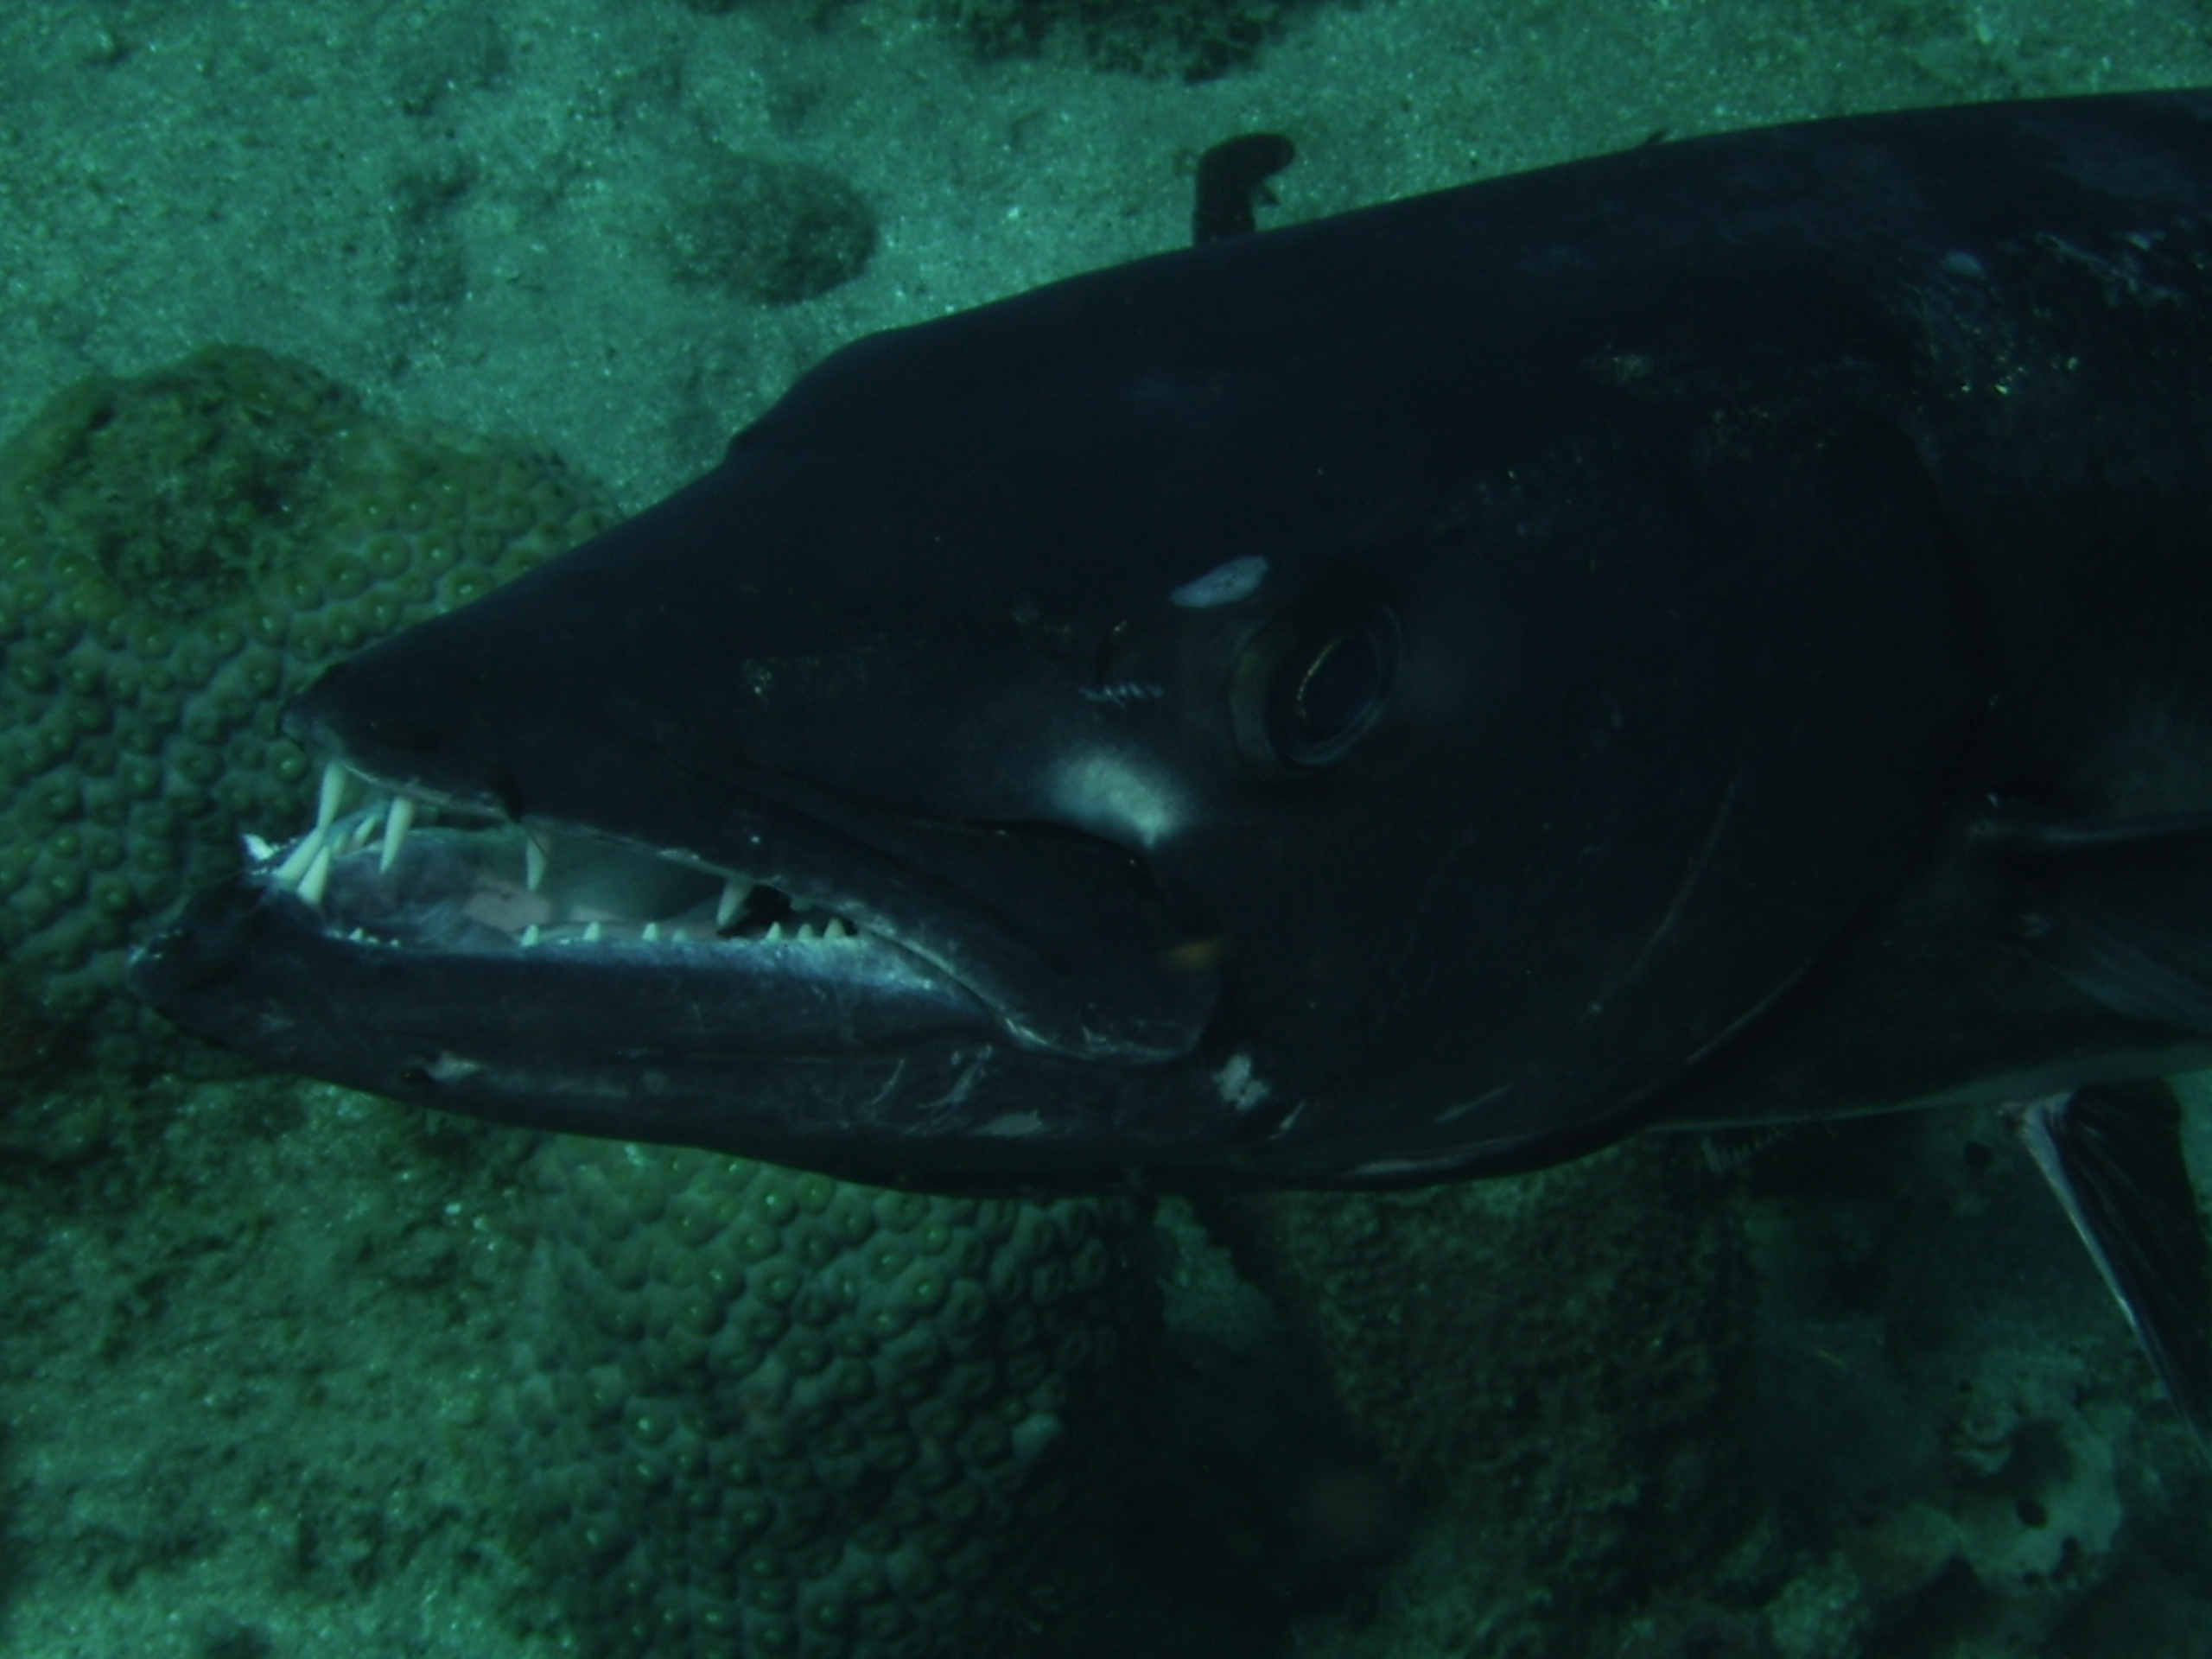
[179,552]
[767,1413]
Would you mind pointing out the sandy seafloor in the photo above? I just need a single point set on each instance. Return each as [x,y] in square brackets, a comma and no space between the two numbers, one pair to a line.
[248,1333]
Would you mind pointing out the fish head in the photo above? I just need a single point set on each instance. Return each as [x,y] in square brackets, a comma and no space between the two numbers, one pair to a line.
[1088,740]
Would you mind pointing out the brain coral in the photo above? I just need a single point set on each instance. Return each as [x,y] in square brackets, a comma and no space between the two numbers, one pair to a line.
[178,553]
[764,1413]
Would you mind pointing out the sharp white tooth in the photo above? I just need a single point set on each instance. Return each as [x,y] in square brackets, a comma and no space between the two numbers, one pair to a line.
[591,932]
[530,934]
[652,932]
[297,860]
[839,928]
[334,780]
[363,830]
[808,932]
[397,821]
[534,860]
[734,892]
[317,879]
[774,935]
[258,851]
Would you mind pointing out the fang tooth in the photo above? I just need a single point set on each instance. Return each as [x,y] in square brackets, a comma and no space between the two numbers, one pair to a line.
[838,928]
[317,880]
[334,780]
[652,932]
[258,851]
[808,932]
[592,931]
[735,890]
[296,862]
[397,822]
[534,860]
[530,935]
[774,935]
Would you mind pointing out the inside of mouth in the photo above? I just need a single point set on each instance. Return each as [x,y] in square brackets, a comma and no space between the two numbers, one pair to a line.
[402,878]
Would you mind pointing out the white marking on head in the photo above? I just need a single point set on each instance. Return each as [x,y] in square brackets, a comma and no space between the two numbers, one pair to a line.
[1223,585]
[1103,792]
[1239,1085]
[1123,694]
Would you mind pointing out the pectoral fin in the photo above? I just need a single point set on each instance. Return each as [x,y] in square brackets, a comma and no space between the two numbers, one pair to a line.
[2113,1156]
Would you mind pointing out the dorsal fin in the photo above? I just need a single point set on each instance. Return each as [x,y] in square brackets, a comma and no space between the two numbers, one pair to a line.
[1233,179]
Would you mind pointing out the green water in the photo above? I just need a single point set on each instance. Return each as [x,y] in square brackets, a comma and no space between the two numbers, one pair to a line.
[1858,1396]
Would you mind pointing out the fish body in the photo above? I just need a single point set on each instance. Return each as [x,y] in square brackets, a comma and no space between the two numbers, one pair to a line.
[1710,634]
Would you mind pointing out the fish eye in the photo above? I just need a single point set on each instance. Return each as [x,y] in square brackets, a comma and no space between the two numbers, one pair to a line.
[1307,695]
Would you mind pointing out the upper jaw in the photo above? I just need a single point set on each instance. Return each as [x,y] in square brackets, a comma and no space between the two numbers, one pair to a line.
[483,883]
[765,893]
[516,711]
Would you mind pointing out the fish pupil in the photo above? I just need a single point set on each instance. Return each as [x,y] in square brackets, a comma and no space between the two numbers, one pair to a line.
[1335,689]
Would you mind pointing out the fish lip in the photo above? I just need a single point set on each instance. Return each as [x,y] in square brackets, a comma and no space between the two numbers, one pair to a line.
[854,915]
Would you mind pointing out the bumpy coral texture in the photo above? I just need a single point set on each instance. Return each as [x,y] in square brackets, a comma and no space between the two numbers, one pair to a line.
[178,553]
[764,1413]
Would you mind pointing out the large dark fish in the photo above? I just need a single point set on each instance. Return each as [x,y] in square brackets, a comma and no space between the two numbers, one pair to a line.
[1713,634]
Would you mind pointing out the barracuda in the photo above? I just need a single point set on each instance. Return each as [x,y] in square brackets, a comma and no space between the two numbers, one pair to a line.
[1711,635]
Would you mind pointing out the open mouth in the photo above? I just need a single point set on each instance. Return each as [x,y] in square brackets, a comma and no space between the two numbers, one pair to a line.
[856,1014]
[408,922]
[385,866]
